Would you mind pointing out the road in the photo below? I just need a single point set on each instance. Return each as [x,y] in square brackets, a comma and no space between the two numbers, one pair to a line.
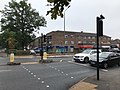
[50,76]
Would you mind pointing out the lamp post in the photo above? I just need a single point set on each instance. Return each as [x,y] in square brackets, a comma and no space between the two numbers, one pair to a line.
[99,31]
[64,27]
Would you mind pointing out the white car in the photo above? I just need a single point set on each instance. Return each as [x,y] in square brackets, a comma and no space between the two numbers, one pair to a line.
[32,52]
[85,55]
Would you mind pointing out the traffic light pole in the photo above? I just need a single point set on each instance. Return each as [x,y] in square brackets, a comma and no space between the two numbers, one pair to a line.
[97,48]
[41,51]
[99,33]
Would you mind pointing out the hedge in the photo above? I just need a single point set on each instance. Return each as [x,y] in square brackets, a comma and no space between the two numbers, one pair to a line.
[22,52]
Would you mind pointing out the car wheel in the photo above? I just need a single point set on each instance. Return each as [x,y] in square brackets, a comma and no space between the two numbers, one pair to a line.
[105,65]
[86,59]
[118,63]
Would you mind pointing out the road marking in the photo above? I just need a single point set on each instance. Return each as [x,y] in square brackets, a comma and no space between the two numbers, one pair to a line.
[38,78]
[5,70]
[58,70]
[62,72]
[87,65]
[105,70]
[47,86]
[42,81]
[66,74]
[28,71]
[30,63]
[34,75]
[71,77]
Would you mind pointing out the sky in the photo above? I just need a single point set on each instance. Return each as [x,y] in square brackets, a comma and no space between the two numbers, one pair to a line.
[81,16]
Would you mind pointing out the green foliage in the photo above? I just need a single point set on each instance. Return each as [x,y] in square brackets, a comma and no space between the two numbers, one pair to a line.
[4,38]
[20,18]
[22,52]
[58,7]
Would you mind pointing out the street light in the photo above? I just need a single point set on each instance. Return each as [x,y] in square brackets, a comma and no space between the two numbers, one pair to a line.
[64,27]
[99,31]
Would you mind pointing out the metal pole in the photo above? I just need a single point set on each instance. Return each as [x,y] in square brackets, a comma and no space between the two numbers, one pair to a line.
[41,51]
[64,27]
[97,48]
[64,32]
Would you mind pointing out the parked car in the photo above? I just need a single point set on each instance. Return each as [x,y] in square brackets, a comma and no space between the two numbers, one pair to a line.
[106,59]
[85,55]
[32,52]
[37,50]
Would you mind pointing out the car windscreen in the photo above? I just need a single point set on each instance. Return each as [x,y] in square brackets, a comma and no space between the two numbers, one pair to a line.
[87,51]
[104,55]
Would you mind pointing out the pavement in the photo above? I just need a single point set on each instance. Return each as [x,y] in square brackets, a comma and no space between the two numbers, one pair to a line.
[31,56]
[109,80]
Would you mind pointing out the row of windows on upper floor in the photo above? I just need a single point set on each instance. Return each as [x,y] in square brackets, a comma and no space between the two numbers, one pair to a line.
[87,37]
[85,42]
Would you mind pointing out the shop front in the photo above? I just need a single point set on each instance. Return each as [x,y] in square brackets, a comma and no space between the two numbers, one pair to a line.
[61,49]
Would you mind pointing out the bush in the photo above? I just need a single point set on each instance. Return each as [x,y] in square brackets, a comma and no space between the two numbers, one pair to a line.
[22,52]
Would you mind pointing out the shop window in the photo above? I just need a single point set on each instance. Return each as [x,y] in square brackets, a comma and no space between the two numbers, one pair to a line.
[71,48]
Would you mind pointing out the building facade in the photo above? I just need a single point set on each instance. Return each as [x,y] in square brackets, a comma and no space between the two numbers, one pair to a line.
[71,42]
[116,42]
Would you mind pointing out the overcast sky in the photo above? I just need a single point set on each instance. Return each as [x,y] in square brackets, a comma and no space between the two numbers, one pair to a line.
[81,16]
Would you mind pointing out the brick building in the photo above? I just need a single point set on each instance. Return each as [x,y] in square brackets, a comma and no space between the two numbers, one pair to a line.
[116,42]
[69,42]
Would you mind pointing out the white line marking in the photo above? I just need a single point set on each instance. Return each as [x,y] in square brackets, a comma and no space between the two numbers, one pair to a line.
[104,70]
[71,77]
[34,75]
[47,86]
[42,81]
[62,72]
[38,78]
[5,70]
[66,74]
[31,73]
[86,65]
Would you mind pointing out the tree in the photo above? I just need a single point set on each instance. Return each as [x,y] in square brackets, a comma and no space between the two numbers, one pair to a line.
[5,37]
[58,7]
[19,17]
